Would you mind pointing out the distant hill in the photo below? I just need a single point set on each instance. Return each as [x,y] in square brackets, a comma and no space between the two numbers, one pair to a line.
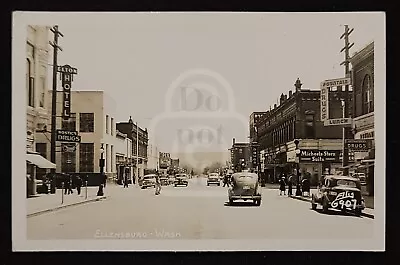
[200,160]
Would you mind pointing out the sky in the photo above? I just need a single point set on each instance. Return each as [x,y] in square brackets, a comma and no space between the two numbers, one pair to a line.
[137,58]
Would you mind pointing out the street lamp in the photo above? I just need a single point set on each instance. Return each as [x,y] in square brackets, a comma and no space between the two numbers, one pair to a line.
[298,190]
[101,164]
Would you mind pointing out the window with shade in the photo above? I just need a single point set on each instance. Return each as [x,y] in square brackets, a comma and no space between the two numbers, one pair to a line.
[309,126]
[86,122]
[30,83]
[86,157]
[367,87]
[70,124]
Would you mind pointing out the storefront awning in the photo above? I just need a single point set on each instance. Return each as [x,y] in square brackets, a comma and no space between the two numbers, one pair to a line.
[39,161]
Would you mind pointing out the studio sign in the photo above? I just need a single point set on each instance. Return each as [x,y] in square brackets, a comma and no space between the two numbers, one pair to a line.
[319,156]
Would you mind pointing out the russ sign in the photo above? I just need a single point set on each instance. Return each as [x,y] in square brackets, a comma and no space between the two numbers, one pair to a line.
[67,73]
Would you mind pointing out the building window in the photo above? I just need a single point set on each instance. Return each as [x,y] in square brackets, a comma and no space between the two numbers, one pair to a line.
[68,157]
[42,91]
[368,105]
[112,126]
[86,157]
[30,84]
[86,122]
[107,125]
[70,124]
[310,129]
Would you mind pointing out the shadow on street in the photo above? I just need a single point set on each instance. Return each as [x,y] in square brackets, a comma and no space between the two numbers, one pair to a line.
[336,213]
[240,204]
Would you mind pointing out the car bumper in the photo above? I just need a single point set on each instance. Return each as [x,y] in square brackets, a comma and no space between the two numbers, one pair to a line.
[213,182]
[247,197]
[181,183]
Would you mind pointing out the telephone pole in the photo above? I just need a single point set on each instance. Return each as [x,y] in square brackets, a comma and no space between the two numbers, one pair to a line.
[54,95]
[346,63]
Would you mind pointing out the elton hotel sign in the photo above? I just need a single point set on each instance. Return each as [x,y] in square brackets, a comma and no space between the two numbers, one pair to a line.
[67,76]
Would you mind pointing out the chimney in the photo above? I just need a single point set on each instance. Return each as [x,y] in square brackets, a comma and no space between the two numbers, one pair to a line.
[233,141]
[290,93]
[275,106]
[298,85]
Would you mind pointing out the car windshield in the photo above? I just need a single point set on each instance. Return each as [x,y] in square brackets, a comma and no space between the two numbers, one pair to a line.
[345,182]
[181,176]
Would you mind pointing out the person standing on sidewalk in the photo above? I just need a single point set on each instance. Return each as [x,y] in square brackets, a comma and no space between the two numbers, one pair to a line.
[282,186]
[158,184]
[78,184]
[126,179]
[290,183]
[69,180]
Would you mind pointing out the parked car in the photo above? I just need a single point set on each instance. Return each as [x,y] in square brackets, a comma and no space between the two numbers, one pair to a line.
[181,180]
[42,186]
[340,193]
[245,187]
[213,178]
[149,181]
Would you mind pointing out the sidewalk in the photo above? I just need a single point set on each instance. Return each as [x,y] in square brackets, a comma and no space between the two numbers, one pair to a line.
[43,203]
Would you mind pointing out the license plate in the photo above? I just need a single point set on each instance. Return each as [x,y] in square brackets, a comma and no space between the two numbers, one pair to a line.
[246,187]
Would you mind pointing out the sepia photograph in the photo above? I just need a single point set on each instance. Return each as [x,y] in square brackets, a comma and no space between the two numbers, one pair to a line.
[183,131]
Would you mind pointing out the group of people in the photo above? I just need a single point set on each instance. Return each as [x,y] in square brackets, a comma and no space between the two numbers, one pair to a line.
[227,180]
[289,181]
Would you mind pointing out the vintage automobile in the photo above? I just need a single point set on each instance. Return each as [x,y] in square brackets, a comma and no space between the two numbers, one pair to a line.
[361,177]
[213,178]
[164,180]
[181,180]
[340,193]
[245,187]
[149,181]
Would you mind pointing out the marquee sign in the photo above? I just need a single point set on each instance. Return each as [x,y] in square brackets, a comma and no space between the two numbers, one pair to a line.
[67,73]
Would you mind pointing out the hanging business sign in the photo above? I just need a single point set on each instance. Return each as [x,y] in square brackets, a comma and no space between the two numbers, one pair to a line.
[338,122]
[358,145]
[68,136]
[324,100]
[320,156]
[67,73]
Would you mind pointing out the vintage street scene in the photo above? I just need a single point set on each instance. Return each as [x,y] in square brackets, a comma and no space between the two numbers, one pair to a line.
[201,126]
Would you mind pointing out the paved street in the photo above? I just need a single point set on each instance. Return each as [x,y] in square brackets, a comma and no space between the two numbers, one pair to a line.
[195,212]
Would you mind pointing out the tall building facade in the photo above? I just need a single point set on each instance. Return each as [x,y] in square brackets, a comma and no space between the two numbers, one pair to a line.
[37,111]
[92,117]
[363,108]
[140,142]
[240,156]
[298,117]
[124,162]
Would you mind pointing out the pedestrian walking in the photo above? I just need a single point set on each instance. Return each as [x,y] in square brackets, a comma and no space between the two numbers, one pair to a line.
[78,184]
[158,185]
[69,184]
[104,179]
[290,185]
[282,186]
[226,181]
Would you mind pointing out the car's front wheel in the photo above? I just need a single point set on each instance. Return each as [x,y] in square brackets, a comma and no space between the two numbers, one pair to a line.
[230,201]
[358,212]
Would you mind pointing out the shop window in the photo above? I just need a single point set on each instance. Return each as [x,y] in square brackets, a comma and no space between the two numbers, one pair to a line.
[41,148]
[86,157]
[86,122]
[68,157]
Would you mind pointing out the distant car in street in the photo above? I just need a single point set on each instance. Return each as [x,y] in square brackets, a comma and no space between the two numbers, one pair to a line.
[340,193]
[181,180]
[245,187]
[149,181]
[213,178]
[164,181]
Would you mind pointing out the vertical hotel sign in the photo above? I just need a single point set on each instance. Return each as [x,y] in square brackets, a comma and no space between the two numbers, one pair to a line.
[67,73]
[324,102]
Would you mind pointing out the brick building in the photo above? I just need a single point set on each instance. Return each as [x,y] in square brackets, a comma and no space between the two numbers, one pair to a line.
[139,145]
[240,155]
[298,117]
[363,108]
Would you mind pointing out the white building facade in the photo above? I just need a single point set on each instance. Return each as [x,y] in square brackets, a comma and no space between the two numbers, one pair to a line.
[92,117]
[37,112]
[124,162]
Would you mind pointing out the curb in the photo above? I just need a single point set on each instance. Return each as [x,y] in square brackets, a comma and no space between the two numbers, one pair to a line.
[65,206]
[368,215]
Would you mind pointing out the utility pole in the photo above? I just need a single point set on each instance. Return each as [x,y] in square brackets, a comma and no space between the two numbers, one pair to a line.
[54,95]
[346,63]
